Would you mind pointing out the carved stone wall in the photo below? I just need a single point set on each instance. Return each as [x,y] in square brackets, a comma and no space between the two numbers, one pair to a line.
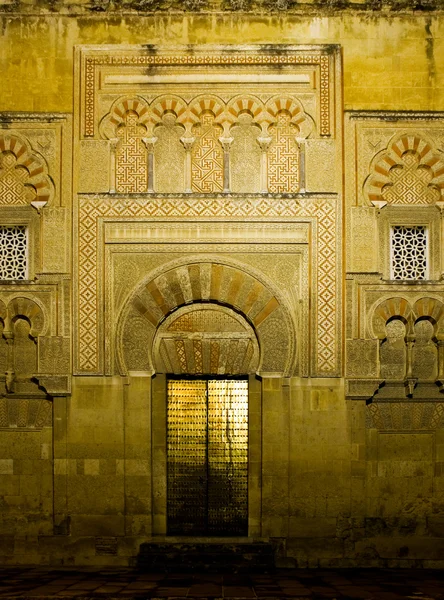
[208,222]
[191,141]
[35,198]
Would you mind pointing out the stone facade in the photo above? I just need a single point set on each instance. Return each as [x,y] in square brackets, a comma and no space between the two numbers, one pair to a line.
[243,189]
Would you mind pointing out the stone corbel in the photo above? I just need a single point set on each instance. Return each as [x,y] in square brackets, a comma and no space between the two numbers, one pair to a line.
[54,385]
[362,389]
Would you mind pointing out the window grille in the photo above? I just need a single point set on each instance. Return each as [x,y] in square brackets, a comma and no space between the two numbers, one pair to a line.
[13,252]
[409,249]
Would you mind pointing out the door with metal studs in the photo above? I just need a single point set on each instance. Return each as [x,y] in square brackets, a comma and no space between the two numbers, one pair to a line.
[207,457]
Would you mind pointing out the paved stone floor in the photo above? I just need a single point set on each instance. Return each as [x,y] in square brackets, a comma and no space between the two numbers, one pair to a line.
[83,583]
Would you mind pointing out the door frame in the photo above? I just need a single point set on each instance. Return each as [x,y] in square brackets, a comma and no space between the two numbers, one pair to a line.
[159,455]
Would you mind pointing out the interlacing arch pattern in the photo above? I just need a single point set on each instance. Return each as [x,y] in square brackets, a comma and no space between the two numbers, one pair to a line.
[207,119]
[23,173]
[409,171]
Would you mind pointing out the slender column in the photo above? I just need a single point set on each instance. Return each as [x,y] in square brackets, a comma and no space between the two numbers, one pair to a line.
[112,172]
[226,143]
[410,381]
[188,144]
[149,144]
[264,143]
[440,378]
[10,373]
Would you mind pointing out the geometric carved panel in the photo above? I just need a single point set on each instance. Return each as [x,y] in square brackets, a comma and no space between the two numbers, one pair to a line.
[320,209]
[25,413]
[404,416]
[206,339]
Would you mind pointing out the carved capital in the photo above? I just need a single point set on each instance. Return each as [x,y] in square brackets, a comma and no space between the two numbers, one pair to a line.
[149,143]
[9,381]
[226,143]
[188,142]
[379,204]
[113,143]
[264,143]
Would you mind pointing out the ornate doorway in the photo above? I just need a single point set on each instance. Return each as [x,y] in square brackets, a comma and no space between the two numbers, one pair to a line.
[207,457]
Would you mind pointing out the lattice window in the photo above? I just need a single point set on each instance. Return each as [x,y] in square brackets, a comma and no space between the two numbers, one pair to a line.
[409,250]
[13,252]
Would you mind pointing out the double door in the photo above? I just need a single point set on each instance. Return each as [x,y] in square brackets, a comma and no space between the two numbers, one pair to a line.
[207,457]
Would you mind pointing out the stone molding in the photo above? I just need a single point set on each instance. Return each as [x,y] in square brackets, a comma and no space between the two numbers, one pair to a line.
[241,7]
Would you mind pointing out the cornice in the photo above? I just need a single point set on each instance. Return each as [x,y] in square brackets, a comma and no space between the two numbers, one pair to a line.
[372,8]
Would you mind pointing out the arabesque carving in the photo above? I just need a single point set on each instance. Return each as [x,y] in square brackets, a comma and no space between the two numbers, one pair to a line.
[410,171]
[404,416]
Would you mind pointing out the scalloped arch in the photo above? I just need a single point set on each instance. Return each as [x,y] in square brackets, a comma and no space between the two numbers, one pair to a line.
[116,116]
[249,104]
[392,156]
[206,103]
[37,177]
[298,116]
[169,103]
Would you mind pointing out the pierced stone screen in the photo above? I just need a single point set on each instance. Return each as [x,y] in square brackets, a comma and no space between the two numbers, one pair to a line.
[409,252]
[13,252]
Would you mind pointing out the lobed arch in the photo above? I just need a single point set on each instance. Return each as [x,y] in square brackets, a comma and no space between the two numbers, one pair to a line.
[387,166]
[169,104]
[119,109]
[206,103]
[245,104]
[294,109]
[29,170]
[198,284]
